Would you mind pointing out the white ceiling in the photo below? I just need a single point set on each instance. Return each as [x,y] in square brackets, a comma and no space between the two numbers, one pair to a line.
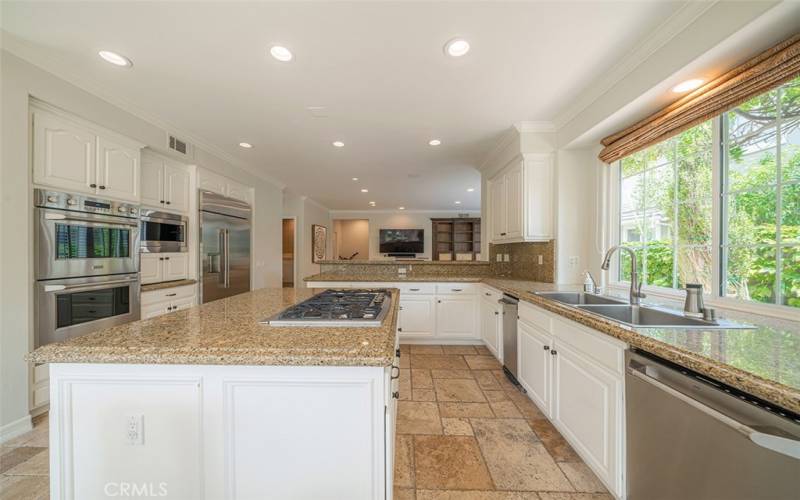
[377,68]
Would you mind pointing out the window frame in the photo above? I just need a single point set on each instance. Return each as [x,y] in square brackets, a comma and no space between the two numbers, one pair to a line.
[716,296]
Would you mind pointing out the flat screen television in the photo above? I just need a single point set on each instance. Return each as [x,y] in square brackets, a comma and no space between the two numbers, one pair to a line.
[402,241]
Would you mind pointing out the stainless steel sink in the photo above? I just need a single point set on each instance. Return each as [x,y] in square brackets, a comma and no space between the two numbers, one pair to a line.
[577,298]
[648,317]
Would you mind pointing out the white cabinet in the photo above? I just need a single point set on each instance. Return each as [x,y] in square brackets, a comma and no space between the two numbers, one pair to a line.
[210,181]
[575,376]
[456,316]
[535,369]
[521,200]
[167,300]
[165,184]
[491,325]
[158,267]
[417,316]
[72,155]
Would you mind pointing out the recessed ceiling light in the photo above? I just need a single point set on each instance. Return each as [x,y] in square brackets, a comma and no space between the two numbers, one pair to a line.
[458,203]
[687,85]
[245,145]
[115,59]
[469,190]
[338,144]
[434,142]
[456,47]
[281,53]
[401,208]
[355,178]
[365,190]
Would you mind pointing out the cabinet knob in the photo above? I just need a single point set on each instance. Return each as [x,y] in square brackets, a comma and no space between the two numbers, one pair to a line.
[439,301]
[92,185]
[166,258]
[396,394]
[101,187]
[547,348]
[399,329]
[162,201]
[397,353]
[169,308]
[496,313]
[161,258]
[553,352]
[168,203]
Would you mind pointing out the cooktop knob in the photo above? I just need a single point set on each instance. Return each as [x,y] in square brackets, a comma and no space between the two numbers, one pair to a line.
[52,199]
[133,210]
[122,209]
[70,201]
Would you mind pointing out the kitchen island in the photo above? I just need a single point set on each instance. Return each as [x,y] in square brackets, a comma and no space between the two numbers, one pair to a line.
[210,403]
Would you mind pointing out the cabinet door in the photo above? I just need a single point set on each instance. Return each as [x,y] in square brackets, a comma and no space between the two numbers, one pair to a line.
[238,192]
[417,316]
[152,181]
[535,366]
[490,326]
[587,402]
[514,209]
[209,181]
[184,303]
[118,170]
[456,316]
[64,154]
[153,310]
[176,266]
[538,197]
[176,188]
[497,207]
[150,268]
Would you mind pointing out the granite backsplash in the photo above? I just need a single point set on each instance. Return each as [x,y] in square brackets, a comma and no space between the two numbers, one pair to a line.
[523,262]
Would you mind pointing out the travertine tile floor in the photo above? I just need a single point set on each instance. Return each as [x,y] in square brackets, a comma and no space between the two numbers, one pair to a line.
[463,433]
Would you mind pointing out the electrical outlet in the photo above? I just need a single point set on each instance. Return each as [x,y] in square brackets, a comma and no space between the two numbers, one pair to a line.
[499,257]
[573,261]
[506,257]
[135,429]
[541,260]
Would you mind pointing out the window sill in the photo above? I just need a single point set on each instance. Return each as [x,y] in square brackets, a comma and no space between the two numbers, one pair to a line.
[720,303]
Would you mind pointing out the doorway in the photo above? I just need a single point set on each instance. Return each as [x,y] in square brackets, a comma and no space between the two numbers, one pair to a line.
[289,247]
[351,239]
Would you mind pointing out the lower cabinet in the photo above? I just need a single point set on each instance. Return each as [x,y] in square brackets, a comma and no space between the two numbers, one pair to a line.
[417,316]
[167,300]
[491,326]
[575,376]
[158,267]
[456,316]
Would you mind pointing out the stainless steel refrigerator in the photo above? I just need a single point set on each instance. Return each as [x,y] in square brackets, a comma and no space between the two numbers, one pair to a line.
[224,246]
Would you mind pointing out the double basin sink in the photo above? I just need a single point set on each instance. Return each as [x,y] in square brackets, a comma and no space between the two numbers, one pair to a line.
[635,316]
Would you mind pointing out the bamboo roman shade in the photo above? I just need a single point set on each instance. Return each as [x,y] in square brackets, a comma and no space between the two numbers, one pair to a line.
[758,75]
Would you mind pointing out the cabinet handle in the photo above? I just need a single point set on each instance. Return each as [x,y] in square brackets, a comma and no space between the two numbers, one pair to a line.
[488,294]
[171,294]
[413,289]
[398,372]
[162,201]
[397,353]
[457,289]
[439,301]
[553,352]
[502,234]
[396,394]
[166,258]
[169,308]
[399,329]
[496,313]
[101,187]
[547,348]
[168,203]
[92,185]
[161,258]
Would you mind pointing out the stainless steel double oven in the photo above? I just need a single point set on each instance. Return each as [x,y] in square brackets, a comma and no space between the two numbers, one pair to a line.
[86,264]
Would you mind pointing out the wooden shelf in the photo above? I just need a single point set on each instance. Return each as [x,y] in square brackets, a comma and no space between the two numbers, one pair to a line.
[448,234]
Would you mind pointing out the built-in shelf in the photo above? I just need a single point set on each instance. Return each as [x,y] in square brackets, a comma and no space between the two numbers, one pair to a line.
[453,239]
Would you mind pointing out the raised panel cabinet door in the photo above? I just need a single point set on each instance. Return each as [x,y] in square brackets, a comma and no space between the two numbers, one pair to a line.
[535,364]
[587,402]
[154,310]
[176,266]
[176,188]
[456,316]
[490,317]
[417,318]
[64,154]
[514,209]
[497,206]
[150,268]
[184,303]
[209,181]
[152,181]
[238,192]
[118,170]
[538,197]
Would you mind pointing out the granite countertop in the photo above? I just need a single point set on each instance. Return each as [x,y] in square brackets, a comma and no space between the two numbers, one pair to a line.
[228,332]
[166,284]
[764,361]
[394,278]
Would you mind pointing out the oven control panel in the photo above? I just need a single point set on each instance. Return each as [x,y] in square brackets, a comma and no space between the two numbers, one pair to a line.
[82,203]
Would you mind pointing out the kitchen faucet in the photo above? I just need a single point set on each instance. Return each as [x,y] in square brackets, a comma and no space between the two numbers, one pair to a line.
[636,284]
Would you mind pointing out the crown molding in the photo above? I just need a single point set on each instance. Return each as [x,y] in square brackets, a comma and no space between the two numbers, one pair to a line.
[14,45]
[314,202]
[508,136]
[666,31]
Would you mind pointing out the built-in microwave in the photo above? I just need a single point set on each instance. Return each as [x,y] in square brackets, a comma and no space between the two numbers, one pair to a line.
[162,232]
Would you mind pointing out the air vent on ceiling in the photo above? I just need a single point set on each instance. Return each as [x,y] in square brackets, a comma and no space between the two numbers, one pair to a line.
[178,145]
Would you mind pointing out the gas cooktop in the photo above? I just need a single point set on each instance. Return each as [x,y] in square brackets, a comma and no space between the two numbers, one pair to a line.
[337,308]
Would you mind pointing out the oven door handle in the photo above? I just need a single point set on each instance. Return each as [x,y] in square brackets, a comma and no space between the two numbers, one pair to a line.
[58,288]
[95,222]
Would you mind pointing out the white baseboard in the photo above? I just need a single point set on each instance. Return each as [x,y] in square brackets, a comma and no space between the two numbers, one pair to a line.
[15,428]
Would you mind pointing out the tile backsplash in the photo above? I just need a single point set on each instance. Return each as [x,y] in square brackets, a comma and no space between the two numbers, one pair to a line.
[523,261]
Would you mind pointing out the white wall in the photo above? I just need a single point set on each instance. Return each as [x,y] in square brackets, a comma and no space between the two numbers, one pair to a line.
[351,238]
[19,81]
[408,219]
[307,212]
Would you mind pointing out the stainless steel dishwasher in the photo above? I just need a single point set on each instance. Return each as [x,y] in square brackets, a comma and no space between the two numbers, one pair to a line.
[692,438]
[510,315]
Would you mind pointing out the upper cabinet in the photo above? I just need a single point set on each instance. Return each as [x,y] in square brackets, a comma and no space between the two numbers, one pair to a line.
[210,181]
[73,156]
[521,200]
[166,184]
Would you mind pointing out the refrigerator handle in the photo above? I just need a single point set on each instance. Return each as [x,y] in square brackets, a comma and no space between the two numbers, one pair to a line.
[227,258]
[222,258]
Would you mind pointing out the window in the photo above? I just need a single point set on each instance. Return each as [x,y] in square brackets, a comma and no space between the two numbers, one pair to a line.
[667,212]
